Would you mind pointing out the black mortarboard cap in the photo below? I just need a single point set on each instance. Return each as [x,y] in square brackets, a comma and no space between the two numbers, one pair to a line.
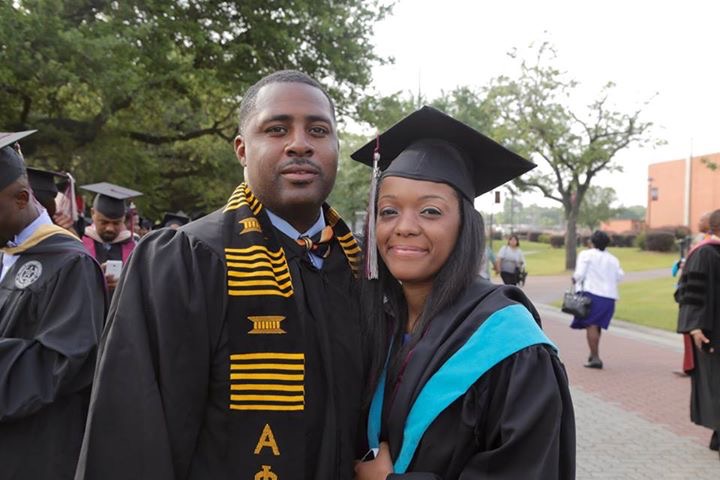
[178,218]
[145,223]
[43,182]
[12,165]
[432,146]
[110,199]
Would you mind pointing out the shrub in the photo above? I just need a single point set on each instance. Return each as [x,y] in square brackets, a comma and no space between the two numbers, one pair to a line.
[682,232]
[660,241]
[544,238]
[557,241]
[640,240]
[679,231]
[622,239]
[522,234]
[533,236]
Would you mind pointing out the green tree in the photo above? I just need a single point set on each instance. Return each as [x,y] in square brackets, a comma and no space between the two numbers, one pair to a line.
[145,92]
[512,213]
[634,212]
[597,206]
[374,114]
[535,120]
[543,217]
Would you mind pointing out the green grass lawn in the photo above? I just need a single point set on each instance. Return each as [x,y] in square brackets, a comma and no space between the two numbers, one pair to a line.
[542,259]
[647,302]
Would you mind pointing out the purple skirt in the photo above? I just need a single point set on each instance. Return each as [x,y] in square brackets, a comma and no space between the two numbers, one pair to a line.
[601,312]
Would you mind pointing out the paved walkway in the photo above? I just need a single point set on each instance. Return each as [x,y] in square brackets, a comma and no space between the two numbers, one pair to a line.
[632,416]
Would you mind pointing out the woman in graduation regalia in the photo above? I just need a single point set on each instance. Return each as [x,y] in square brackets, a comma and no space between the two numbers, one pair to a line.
[465,383]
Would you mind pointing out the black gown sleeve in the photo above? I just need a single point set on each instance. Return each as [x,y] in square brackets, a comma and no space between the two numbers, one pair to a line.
[525,427]
[152,381]
[60,358]
[694,294]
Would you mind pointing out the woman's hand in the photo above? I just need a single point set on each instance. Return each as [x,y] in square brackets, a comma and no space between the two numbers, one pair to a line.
[377,469]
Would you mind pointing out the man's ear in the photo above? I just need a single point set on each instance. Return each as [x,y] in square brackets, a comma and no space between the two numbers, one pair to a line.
[22,198]
[240,150]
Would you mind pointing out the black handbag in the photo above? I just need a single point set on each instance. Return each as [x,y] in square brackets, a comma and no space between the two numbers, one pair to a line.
[521,275]
[575,303]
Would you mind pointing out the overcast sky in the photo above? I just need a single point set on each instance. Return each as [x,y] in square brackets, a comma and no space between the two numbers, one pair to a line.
[671,48]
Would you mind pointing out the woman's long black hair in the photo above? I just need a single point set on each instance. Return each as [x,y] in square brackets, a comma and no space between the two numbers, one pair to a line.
[384,309]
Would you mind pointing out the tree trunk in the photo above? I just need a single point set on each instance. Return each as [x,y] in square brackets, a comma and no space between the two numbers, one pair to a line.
[571,240]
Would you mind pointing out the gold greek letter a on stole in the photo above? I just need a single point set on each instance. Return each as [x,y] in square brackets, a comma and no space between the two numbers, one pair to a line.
[267,439]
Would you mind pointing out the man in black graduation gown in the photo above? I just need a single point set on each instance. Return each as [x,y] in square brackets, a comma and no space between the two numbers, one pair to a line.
[45,191]
[108,238]
[52,308]
[699,297]
[232,349]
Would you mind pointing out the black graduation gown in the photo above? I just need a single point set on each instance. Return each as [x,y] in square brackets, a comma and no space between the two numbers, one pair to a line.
[515,422]
[52,310]
[103,254]
[159,407]
[698,294]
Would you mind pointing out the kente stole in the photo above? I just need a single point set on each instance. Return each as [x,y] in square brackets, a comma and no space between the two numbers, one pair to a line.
[267,358]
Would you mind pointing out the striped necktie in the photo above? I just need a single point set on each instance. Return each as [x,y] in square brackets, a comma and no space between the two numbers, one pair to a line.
[318,244]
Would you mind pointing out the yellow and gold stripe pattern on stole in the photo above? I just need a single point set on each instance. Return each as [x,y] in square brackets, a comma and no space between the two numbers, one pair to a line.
[243,196]
[257,271]
[267,381]
[352,251]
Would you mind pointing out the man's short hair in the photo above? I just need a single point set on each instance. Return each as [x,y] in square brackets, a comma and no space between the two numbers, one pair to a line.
[715,222]
[247,105]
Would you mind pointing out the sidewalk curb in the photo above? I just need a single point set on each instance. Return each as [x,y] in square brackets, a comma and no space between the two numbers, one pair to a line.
[621,328]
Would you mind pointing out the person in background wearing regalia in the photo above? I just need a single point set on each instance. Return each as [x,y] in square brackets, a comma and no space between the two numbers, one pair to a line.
[698,294]
[108,238]
[52,309]
[45,191]
[144,226]
[688,361]
[233,344]
[175,220]
[466,384]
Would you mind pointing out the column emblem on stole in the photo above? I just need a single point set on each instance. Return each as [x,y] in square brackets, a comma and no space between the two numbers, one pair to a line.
[266,324]
[250,225]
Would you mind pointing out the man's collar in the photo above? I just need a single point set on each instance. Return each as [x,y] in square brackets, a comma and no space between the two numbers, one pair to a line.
[42,219]
[282,225]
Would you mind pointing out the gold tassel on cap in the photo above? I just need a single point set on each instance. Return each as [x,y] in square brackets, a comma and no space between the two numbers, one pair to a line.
[371,262]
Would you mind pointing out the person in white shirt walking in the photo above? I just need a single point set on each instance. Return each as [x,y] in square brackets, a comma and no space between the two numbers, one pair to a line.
[510,261]
[597,275]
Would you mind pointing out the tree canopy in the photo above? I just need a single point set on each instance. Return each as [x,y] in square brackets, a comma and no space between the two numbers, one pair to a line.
[597,206]
[535,119]
[145,92]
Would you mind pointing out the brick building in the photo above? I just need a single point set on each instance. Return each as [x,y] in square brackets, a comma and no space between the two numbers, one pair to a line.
[680,191]
[617,225]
